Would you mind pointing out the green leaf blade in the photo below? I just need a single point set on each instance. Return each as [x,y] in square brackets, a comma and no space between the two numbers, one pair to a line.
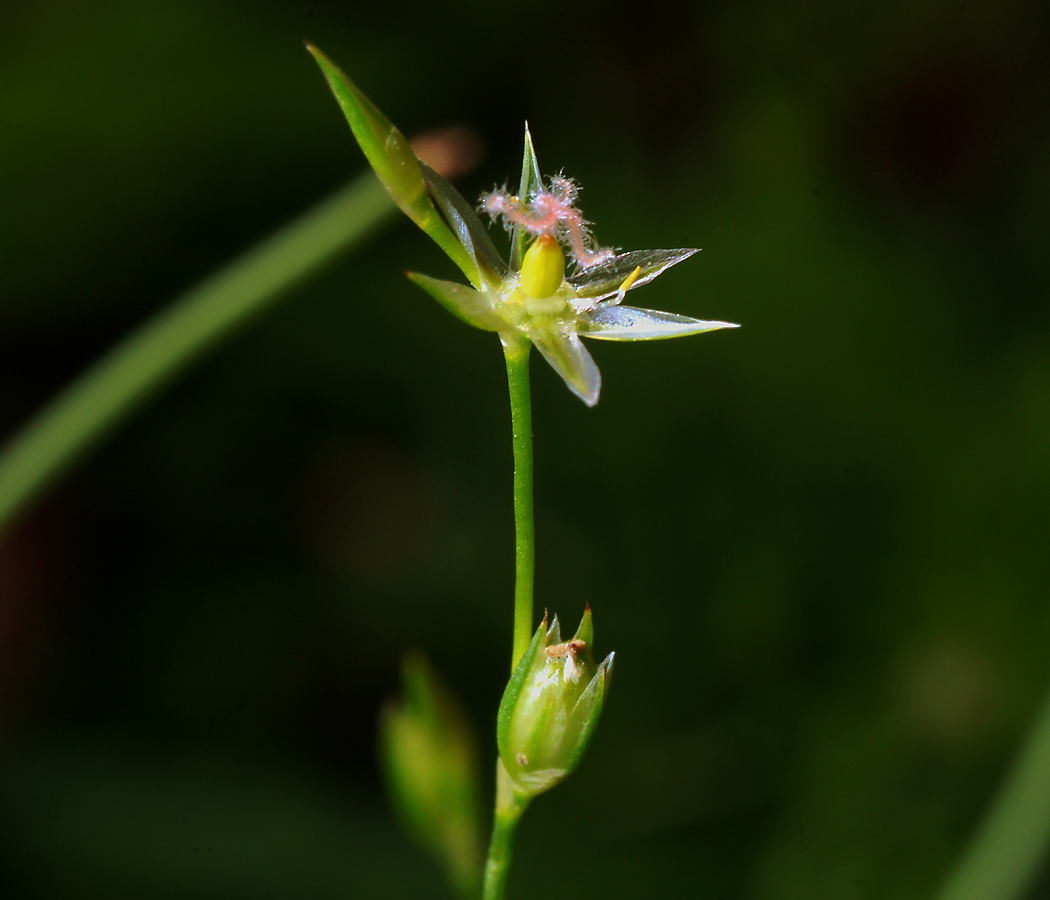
[390,155]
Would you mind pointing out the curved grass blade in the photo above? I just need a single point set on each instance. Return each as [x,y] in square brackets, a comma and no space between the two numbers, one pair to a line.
[126,377]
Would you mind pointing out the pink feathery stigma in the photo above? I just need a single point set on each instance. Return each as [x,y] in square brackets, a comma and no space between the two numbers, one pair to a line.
[550,212]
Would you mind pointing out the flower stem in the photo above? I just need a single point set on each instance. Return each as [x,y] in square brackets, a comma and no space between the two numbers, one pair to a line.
[509,807]
[1012,843]
[516,349]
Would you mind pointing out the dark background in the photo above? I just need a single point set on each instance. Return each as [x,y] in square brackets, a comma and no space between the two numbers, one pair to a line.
[818,544]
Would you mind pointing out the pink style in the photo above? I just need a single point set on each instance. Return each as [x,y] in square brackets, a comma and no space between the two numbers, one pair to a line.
[550,212]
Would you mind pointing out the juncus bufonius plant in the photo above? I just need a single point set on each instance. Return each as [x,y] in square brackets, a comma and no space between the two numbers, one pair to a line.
[538,297]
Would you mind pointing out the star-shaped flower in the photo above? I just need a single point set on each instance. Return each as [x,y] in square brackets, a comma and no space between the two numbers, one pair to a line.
[531,297]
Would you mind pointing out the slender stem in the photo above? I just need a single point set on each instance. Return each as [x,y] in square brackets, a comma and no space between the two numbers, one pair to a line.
[516,349]
[509,807]
[80,416]
[1012,842]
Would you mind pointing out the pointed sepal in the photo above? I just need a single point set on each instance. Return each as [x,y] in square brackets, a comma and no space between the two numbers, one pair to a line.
[471,306]
[571,360]
[512,693]
[629,323]
[604,280]
[585,632]
[530,185]
[469,230]
[588,710]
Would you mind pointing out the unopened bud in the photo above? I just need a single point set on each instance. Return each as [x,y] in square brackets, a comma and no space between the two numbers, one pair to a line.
[551,707]
[430,761]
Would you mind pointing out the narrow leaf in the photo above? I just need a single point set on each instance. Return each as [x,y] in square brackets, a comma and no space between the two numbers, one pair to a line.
[394,163]
[430,760]
[629,323]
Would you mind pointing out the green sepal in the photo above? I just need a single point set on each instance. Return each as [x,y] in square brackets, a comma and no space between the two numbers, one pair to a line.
[465,224]
[391,156]
[585,632]
[590,722]
[465,303]
[507,705]
[572,361]
[531,183]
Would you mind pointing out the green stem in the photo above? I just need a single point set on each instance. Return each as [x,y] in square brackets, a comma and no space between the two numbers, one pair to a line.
[509,807]
[124,378]
[516,349]
[1007,851]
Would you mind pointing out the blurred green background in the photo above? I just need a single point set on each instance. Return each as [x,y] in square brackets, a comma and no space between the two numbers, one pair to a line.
[818,544]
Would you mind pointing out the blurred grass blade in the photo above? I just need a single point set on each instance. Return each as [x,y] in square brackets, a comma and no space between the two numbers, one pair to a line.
[1013,842]
[165,345]
[389,154]
[531,181]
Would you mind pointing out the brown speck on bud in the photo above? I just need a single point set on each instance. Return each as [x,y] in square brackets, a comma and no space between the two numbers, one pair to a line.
[569,648]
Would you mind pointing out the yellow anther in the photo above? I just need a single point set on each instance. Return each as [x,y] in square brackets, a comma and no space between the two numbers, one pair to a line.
[543,269]
[629,280]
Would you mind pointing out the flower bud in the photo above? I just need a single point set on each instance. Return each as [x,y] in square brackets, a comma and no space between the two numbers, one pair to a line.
[551,707]
[543,269]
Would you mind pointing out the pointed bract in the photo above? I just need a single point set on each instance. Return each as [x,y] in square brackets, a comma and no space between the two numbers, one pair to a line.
[396,166]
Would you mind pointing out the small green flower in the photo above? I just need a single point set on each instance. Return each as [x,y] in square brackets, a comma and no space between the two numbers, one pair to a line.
[551,707]
[530,297]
